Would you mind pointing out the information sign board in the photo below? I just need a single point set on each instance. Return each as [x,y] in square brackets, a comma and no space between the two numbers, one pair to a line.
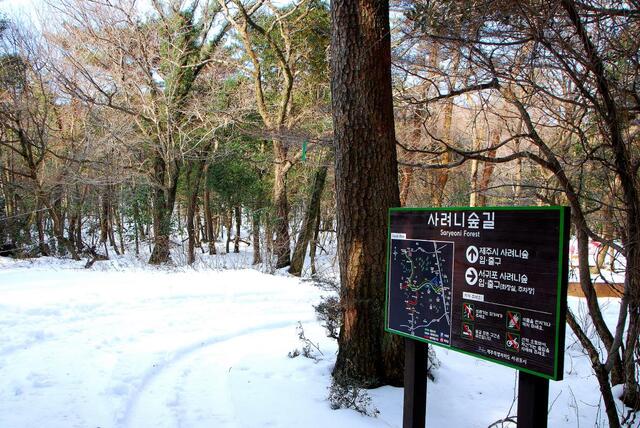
[489,282]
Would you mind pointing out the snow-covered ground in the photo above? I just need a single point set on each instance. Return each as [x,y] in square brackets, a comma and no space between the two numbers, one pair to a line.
[131,346]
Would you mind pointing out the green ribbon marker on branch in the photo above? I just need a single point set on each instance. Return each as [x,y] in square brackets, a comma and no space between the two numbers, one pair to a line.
[304,150]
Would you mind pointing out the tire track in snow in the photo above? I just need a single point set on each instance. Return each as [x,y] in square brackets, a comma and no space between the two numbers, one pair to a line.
[177,356]
[58,321]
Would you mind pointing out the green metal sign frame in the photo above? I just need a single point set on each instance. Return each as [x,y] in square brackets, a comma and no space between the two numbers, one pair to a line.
[561,290]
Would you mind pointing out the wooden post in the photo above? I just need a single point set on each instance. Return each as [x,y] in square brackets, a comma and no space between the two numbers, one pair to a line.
[533,401]
[415,384]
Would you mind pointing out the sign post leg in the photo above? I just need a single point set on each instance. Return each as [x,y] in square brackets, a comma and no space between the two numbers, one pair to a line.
[533,401]
[415,384]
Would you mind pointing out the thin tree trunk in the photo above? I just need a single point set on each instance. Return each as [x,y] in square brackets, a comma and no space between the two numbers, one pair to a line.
[218,226]
[74,216]
[57,217]
[314,245]
[104,216]
[442,175]
[627,171]
[112,237]
[208,221]
[487,171]
[268,238]
[473,196]
[617,374]
[229,218]
[137,240]
[191,230]
[407,172]
[200,232]
[601,374]
[236,240]
[137,223]
[42,244]
[194,178]
[255,232]
[517,191]
[118,220]
[310,215]
[78,240]
[111,219]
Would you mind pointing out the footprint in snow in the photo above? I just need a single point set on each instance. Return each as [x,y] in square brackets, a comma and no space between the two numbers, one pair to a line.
[39,380]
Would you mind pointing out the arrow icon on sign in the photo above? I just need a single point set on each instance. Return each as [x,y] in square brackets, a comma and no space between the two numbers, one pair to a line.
[471,276]
[472,254]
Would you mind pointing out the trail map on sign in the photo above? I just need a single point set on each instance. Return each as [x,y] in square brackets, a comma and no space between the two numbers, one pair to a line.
[490,282]
[421,277]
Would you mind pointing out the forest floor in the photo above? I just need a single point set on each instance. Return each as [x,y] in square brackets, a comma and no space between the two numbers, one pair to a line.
[122,345]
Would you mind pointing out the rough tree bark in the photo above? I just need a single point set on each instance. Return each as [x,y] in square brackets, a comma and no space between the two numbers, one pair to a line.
[442,175]
[366,187]
[195,173]
[164,196]
[282,244]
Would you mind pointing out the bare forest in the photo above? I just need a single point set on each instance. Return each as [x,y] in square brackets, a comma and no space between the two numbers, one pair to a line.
[183,130]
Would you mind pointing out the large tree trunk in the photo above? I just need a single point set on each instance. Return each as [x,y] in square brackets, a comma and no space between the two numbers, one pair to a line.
[164,196]
[308,224]
[282,245]
[366,187]
[161,229]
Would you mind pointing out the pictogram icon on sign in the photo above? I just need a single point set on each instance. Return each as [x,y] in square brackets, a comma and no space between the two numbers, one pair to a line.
[467,331]
[513,320]
[512,342]
[468,313]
